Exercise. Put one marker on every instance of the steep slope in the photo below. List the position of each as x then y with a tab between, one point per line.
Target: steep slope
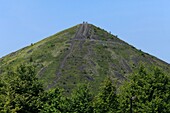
81	54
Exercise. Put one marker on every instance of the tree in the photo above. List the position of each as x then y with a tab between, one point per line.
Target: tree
106	101
21	91
150	90
53	101
81	100
2	92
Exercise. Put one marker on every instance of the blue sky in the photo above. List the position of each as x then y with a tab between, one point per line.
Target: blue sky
144	24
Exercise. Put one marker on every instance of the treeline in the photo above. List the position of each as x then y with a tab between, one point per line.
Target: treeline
146	91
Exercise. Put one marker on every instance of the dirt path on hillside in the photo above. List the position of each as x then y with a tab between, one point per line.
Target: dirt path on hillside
81	35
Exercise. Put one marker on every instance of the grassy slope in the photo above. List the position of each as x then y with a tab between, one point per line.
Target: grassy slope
89	60
42	53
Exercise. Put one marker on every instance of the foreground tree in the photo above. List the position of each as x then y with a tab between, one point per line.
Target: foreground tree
2	94
81	100
147	91
106	101
53	101
20	91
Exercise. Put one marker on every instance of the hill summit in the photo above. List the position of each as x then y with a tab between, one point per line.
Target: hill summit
81	54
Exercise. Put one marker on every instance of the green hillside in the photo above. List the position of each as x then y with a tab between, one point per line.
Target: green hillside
81	54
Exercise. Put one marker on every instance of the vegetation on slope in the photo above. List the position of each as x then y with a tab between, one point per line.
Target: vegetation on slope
148	91
81	54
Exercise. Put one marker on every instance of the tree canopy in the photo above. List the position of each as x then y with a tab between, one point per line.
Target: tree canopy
149	91
146	90
20	91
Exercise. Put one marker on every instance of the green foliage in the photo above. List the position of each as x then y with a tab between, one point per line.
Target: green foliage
20	91
150	90
81	100
145	91
53	102
106	101
87	60
64	61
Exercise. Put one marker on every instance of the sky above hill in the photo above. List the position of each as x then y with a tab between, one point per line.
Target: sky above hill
144	24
